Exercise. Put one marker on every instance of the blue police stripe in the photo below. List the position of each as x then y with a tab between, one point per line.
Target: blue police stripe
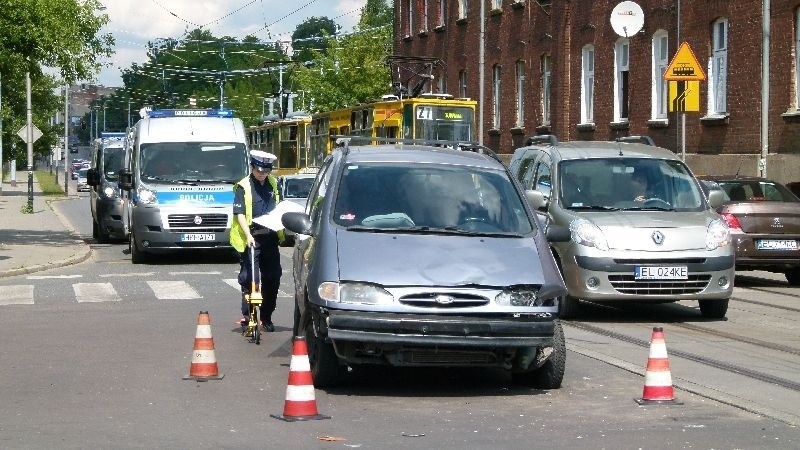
196	197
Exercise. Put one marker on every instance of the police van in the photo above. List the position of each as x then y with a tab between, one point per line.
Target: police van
177	184
105	201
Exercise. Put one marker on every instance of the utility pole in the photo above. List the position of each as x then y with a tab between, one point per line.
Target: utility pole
66	141
29	133
104	116
1	133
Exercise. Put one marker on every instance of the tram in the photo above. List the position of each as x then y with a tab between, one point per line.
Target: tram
302	142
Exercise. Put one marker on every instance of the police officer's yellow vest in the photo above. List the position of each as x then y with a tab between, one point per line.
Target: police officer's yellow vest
237	237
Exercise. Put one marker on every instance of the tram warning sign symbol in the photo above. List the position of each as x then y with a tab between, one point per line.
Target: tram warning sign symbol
684	66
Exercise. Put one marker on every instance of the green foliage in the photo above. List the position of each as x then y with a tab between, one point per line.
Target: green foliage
47	183
308	36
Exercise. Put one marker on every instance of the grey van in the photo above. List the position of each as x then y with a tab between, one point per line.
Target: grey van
418	255
105	202
641	227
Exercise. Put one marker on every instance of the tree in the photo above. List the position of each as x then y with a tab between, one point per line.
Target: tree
309	36
63	35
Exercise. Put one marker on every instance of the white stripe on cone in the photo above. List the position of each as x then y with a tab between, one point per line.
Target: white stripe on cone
657	378
203	331
299	393
299	363
658	349
203	357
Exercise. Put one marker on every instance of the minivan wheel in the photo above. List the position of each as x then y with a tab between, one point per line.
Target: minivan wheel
793	276
95	228
714	309
325	368
137	256
568	307
102	237
551	373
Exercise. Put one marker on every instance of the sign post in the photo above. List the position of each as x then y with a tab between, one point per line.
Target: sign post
684	75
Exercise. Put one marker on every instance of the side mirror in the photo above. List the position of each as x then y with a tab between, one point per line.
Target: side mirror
716	198
536	199
125	179
93	177
298	222
558	233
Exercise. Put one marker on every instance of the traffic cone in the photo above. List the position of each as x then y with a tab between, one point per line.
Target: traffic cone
300	402
657	378
204	362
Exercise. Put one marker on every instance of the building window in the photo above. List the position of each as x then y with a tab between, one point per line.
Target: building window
462	9
462	84
621	95
547	66
718	69
442	12
423	15
587	84
496	97
497	4
660	63
441	85
410	17
520	66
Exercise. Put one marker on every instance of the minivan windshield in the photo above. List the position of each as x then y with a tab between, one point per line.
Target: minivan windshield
603	184
193	161
113	159
429	198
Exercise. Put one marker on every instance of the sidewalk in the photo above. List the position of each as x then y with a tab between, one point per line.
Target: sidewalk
39	241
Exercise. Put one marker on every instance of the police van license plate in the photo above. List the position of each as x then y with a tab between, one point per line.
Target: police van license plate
197	237
660	272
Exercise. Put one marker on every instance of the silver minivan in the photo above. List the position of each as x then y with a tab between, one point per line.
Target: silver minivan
641	226
418	255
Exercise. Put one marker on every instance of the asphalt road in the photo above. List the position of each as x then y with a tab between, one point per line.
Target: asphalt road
77	373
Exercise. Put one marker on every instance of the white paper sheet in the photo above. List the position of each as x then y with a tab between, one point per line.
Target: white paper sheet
272	220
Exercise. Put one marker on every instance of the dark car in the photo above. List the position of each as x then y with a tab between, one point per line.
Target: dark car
764	218
416	255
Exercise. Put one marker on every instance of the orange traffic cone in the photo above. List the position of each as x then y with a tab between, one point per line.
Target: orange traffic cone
204	362
657	378
300	402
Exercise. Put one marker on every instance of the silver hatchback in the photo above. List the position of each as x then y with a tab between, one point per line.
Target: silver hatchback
412	255
641	227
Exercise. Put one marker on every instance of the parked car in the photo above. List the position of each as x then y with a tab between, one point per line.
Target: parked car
295	188
764	217
642	230
415	255
75	166
83	184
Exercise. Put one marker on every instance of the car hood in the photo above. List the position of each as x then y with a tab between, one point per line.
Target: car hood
413	259
637	231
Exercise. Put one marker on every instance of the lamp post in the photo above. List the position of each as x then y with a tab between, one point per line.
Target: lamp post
66	141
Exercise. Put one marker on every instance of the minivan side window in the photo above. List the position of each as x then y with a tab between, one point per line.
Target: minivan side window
317	196
543	179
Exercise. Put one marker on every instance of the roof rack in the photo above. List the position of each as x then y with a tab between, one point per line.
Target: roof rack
346	141
542	139
641	139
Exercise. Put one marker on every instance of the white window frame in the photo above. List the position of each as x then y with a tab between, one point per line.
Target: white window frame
587	84
462	9
423	19
497	4
520	77
547	87
660	57
441	85
462	84
496	73
442	12
718	69
410	18
621	70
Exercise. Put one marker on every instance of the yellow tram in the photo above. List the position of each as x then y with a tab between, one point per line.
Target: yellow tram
302	142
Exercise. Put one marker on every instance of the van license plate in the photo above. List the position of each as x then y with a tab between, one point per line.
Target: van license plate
194	237
776	244
660	272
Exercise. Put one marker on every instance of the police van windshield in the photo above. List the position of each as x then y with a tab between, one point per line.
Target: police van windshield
430	198
113	159
193	161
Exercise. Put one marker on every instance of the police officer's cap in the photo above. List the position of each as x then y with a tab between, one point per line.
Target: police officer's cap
262	160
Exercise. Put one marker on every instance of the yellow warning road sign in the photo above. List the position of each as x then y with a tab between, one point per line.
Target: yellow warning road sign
684	96
684	66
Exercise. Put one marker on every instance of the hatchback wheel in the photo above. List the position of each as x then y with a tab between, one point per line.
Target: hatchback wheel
793	276
714	309
551	373
325	368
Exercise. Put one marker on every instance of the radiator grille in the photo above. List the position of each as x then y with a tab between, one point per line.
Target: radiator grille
626	284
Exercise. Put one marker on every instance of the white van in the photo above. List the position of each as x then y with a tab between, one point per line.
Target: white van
178	183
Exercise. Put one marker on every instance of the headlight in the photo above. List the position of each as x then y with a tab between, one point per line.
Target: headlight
586	233
146	196
109	192
718	234
367	294
525	296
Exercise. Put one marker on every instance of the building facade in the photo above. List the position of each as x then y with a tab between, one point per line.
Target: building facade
558	67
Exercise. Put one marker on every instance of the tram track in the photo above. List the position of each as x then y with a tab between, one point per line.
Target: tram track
732	368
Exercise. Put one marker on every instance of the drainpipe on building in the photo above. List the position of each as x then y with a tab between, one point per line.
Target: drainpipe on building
762	163
481	71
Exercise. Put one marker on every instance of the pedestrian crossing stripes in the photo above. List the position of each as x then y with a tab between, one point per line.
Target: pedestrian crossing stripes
24	294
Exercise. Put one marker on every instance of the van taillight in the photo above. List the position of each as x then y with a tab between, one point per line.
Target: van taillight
731	220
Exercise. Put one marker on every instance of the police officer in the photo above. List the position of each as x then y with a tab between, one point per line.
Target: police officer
256	195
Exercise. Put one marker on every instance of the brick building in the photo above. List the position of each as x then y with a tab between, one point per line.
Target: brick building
555	66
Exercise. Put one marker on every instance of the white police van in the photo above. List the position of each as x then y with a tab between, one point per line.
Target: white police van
177	184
